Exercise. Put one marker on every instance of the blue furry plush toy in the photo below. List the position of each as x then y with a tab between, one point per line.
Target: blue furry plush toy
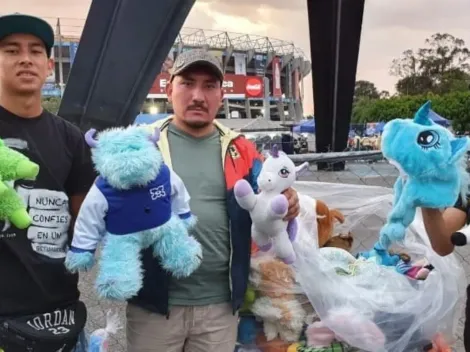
432	166
136	202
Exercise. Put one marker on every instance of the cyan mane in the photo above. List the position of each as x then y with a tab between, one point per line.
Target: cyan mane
126	157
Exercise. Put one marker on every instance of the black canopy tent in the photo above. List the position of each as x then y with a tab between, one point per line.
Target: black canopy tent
122	49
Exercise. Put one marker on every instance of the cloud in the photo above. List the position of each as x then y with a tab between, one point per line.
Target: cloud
421	15
389	28
275	4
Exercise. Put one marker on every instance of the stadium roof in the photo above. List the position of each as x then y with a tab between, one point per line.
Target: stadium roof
228	42
71	29
237	41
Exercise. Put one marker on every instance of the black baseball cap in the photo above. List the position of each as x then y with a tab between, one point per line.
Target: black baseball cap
196	57
18	23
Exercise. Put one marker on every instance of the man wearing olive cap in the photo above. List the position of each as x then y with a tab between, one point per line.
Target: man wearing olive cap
200	313
39	300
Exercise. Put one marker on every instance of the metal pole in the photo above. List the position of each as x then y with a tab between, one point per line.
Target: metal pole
335	96
61	68
266	102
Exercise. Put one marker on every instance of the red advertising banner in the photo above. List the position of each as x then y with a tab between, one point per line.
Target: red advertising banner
158	86
296	85
277	91
235	86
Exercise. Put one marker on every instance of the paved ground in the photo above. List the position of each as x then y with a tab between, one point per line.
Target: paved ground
377	174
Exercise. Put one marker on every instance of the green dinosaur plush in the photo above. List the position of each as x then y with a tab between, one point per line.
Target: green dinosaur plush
14	166
12	208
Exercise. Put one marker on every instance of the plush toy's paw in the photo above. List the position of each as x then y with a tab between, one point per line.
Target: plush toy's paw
279	205
391	233
292	228
79	261
265	247
120	273
20	218
27	170
118	286
184	259
289	259
242	189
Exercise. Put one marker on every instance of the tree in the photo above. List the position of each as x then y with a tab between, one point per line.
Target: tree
384	94
441	67
445	52
415	85
454	106
365	89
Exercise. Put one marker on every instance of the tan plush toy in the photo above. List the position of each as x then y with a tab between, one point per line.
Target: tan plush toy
282	314
326	221
341	241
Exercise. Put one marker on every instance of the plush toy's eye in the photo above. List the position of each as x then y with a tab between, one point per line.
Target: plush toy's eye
428	139
284	172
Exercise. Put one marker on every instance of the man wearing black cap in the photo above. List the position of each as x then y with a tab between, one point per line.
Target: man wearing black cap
39	300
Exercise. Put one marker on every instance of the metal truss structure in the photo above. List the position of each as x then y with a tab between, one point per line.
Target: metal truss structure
230	42
193	37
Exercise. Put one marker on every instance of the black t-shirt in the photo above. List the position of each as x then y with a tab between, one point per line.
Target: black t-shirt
33	278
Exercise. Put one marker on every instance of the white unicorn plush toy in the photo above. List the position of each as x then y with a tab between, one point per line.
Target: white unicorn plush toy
269	207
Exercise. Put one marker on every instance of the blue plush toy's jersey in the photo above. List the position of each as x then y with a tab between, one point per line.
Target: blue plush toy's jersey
432	169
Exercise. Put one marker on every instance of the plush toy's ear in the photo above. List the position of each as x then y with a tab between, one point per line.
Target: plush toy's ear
89	138
301	169
422	115
459	148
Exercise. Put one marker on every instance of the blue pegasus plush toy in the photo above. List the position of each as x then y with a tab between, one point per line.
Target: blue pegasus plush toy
136	202
432	166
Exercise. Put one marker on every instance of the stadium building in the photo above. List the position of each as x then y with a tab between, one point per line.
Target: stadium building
263	76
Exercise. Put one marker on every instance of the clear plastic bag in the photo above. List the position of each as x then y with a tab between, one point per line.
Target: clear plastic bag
99	339
329	301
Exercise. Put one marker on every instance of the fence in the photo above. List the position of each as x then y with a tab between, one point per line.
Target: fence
367	168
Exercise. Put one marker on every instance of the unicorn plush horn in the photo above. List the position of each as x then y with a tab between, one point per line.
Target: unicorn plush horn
275	151
422	115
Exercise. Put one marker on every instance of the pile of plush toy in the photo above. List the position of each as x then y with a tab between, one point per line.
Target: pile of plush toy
277	316
308	292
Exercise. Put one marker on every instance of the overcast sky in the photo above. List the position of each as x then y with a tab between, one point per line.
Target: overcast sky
389	28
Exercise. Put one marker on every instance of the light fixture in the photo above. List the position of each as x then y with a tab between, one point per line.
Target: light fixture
153	110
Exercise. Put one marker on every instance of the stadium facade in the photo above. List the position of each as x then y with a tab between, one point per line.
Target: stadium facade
262	75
